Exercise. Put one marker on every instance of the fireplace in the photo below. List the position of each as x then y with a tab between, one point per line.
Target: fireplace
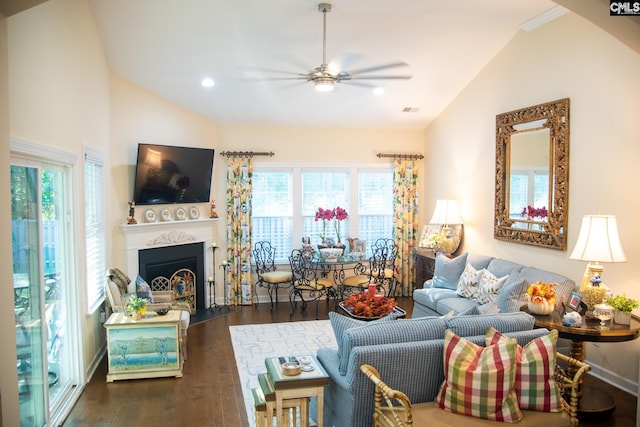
179	268
167	248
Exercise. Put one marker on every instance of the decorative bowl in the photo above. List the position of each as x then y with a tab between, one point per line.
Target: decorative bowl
331	253
162	311
291	369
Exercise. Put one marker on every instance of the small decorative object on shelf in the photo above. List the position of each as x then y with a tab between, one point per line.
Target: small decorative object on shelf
572	319
603	312
542	298
212	209
623	307
595	292
137	307
368	304
131	219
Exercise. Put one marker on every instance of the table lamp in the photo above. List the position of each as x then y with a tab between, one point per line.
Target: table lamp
447	213
598	241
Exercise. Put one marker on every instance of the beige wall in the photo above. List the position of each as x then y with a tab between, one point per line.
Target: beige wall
138	115
565	58
58	98
8	373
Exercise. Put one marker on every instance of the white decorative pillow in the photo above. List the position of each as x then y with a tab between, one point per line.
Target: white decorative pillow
468	283
490	286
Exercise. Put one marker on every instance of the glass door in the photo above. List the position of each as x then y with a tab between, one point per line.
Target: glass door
41	254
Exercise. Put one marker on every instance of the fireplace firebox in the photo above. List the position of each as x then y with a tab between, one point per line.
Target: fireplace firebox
179	268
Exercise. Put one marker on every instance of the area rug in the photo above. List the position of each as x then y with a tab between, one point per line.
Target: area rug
253	343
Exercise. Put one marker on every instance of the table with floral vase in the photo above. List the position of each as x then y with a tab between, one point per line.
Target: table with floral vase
592	400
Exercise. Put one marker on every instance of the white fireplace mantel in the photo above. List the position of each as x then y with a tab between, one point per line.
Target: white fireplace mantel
167	233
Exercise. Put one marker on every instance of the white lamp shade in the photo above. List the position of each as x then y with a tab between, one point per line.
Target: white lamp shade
447	212
598	240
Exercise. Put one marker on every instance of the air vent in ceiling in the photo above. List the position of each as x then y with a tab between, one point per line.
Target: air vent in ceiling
410	109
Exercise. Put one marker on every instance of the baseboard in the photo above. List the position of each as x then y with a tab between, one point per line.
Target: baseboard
614	379
95	362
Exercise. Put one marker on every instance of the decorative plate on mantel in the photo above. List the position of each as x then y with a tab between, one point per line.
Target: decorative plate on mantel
181	214
165	215
194	212
150	215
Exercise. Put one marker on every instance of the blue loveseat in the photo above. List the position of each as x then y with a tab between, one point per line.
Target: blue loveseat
409	356
440	295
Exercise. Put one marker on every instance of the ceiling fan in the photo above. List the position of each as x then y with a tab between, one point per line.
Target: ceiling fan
324	79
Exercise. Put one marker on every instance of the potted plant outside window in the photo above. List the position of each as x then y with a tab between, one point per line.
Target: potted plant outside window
623	307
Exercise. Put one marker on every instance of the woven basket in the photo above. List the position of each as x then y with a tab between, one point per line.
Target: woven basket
621	317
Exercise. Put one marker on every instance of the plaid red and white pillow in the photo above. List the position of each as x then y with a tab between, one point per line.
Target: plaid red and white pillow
479	381
535	386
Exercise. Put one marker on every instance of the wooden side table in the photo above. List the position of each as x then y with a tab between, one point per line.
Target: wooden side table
592	400
306	385
146	348
425	265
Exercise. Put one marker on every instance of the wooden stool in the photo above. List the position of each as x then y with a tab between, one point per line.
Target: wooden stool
289	416
265	396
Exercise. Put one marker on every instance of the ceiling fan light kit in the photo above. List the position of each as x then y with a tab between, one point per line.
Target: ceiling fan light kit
324	80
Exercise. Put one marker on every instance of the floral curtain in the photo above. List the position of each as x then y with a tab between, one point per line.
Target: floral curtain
405	213
238	272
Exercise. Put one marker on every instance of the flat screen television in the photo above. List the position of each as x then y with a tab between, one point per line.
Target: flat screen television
169	174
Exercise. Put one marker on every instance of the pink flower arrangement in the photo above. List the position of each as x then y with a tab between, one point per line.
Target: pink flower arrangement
531	212
326	215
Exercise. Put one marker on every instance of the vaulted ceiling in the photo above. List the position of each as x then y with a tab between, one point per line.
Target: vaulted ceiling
167	47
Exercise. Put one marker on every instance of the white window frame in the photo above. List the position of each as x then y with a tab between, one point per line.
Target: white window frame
297	170
95	235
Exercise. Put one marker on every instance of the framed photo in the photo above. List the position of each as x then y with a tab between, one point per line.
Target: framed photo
574	301
361	246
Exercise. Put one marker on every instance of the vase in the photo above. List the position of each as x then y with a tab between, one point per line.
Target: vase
621	318
541	308
137	316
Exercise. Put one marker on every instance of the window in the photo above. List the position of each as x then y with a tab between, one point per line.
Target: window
528	188
94	228
285	200
272	210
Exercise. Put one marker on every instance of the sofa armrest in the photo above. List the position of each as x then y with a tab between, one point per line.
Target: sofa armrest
569	381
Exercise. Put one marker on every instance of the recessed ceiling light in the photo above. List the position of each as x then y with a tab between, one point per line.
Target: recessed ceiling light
378	91
207	82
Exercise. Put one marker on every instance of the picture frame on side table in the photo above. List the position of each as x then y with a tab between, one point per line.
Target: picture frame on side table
574	301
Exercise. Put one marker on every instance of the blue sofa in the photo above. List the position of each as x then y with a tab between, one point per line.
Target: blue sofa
408	355
439	295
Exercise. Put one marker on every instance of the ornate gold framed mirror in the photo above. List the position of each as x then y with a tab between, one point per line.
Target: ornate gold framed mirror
532	175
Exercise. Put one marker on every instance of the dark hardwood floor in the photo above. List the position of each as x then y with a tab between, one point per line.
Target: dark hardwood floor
209	393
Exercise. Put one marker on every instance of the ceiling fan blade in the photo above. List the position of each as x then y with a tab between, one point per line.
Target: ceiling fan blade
378	67
379	78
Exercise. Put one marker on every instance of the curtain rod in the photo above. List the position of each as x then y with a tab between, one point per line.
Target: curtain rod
246	153
402	156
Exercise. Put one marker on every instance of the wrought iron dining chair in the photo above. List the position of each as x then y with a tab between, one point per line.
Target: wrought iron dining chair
382	269
268	275
307	283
